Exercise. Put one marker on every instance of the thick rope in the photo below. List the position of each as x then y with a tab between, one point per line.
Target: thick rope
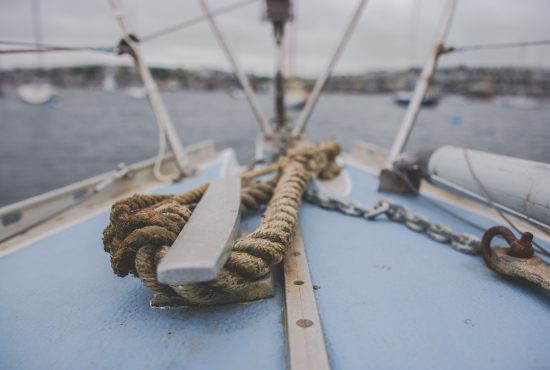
143	227
157	220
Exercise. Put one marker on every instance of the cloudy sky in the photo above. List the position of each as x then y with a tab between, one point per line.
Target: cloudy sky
391	34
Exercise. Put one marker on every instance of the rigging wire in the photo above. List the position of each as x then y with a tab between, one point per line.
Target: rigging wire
237	70
291	45
37	44
57	48
502	45
322	79
195	20
414	31
37	29
39	47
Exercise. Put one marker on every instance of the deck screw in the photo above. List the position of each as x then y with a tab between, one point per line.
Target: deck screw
304	323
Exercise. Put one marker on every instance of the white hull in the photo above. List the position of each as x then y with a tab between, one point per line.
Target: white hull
296	99
136	92
36	93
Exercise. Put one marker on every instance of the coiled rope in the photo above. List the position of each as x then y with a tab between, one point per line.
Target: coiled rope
143	227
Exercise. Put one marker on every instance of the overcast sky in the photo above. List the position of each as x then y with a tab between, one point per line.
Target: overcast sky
391	33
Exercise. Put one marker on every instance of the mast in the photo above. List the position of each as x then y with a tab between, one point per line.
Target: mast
278	12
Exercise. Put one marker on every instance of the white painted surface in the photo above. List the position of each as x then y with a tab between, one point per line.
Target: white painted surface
339	186
202	247
515	183
36	93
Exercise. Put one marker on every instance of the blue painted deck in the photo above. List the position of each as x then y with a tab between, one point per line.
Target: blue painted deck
389	298
61	307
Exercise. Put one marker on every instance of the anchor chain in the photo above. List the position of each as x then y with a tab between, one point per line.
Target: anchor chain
517	261
465	243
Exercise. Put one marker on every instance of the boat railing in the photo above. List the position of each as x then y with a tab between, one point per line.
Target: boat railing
300	125
21	216
241	76
421	87
165	124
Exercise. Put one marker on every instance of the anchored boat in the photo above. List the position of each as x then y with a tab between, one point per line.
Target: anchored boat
39	92
308	258
36	93
295	96
403	98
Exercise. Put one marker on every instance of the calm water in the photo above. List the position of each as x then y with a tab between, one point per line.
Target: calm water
89	132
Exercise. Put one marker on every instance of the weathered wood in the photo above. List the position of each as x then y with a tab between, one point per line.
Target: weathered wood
260	289
204	244
306	343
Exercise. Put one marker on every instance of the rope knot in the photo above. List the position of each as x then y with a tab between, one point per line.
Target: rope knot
143	227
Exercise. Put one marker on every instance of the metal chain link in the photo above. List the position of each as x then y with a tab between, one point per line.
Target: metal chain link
465	243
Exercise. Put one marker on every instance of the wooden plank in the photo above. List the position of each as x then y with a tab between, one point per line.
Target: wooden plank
306	343
204	244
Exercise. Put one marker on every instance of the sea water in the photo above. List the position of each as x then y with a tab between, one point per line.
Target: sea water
88	132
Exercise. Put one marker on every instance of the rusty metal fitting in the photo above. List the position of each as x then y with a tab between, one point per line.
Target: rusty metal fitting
516	261
519	248
441	49
523	247
124	47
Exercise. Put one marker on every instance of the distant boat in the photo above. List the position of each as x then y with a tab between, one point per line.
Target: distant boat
237	93
39	92
109	83
296	99
523	102
36	93
403	98
296	95
135	92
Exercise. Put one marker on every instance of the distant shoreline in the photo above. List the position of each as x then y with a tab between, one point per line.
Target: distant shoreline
469	81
